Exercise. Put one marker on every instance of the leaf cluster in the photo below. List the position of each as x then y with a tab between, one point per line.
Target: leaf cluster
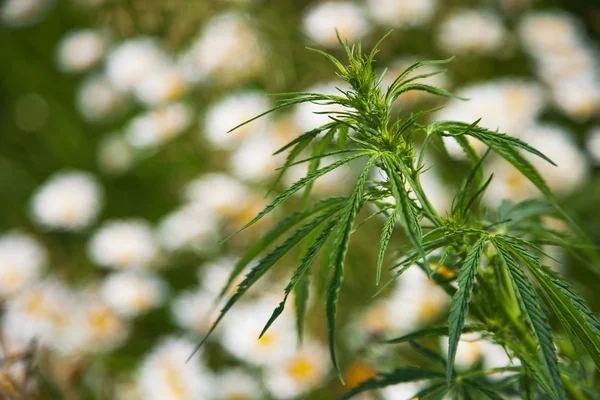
494	256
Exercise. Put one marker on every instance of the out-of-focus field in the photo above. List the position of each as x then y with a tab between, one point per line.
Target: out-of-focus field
118	182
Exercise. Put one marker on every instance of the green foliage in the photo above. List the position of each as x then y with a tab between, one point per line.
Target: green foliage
489	285
460	301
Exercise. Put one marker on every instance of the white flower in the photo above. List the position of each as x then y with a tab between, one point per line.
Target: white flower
128	391
155	127
593	144
549	31
21	261
321	21
472	31
98	99
220	193
160	86
509	105
299	373
196	310
81	50
44	311
574	64
68	200
242	328
231	111
18	13
166	373
405	13
115	155
133	61
556	144
235	384
253	160
580	99
228	50
191	226
123	244
133	292
402	391
100	327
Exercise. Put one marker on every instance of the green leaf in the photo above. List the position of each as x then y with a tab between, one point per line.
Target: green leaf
403	124
275	234
416	188
434	332
526	387
485	392
299	185
305	263
386	234
398	375
441	261
437	391
405	208
461	203
428	353
301	293
459	307
318	150
407	71
533	310
423	88
334	61
341	237
300	143
307	137
579	321
265	264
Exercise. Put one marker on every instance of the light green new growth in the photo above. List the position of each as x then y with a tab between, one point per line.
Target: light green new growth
493	254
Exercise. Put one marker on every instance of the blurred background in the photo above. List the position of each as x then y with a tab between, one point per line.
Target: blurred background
118	181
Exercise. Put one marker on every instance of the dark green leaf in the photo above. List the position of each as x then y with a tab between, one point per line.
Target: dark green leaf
405	207
459	307
399	375
533	310
386	234
341	239
266	263
305	263
299	185
275	234
434	332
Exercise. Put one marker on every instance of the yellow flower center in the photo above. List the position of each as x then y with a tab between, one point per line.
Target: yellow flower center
357	373
429	309
14	279
302	369
443	271
376	319
174	383
103	321
266	340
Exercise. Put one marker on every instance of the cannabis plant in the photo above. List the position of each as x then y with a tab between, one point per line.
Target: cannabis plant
499	284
